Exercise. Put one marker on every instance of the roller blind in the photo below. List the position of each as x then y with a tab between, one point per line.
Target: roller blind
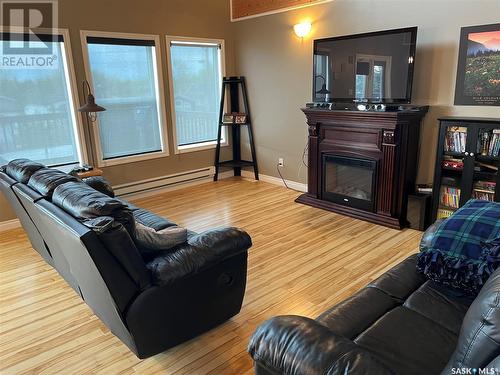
125	83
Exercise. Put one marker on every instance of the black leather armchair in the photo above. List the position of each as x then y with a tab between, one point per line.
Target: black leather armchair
150	301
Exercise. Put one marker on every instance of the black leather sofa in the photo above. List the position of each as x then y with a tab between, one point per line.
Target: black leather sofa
399	324
151	301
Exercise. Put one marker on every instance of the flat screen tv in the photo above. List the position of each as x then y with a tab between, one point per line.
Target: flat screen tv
374	67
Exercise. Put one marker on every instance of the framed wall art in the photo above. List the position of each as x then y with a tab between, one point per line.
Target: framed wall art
478	75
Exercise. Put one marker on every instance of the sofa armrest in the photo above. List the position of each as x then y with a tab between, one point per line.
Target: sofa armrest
201	251
296	345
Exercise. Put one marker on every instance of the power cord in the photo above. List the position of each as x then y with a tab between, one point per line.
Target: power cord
304	154
284	181
303	161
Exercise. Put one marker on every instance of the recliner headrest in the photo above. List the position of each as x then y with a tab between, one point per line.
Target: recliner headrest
100	184
46	180
83	202
22	169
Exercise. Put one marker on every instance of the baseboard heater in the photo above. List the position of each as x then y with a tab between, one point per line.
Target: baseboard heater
165	182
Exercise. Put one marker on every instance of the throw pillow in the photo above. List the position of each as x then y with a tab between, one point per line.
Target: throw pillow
461	254
147	239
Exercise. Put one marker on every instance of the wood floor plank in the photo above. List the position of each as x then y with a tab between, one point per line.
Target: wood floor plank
303	261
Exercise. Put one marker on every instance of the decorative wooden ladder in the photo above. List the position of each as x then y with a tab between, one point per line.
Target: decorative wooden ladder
234	84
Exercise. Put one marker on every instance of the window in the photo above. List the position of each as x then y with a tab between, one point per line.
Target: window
321	76
373	77
37	108
196	68
125	76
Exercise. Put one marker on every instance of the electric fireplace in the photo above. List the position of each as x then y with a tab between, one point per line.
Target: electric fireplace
349	181
363	164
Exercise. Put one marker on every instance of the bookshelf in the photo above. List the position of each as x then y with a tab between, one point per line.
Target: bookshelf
467	163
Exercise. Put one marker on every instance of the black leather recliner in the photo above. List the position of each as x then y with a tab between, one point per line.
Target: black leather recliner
401	323
151	302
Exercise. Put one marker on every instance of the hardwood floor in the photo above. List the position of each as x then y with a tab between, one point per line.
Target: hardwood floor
303	261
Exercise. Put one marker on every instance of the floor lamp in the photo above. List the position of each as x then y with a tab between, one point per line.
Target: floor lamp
90	108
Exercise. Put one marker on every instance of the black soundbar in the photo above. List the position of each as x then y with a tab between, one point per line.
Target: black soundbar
365	107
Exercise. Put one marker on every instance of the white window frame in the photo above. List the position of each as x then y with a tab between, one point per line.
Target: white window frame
160	96
71	85
208	41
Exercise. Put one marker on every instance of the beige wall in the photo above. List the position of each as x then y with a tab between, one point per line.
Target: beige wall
278	67
198	18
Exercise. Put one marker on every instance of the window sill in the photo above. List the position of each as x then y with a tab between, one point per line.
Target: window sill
199	147
132	159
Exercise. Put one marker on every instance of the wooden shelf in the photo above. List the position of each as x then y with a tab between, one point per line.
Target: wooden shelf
443	207
485	158
454	153
234	124
449	169
484	191
236	163
489	176
236	107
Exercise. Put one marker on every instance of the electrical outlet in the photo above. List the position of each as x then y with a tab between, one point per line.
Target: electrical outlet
281	162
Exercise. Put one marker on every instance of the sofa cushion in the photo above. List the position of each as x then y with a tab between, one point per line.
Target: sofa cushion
22	169
440	304
409	343
400	281
351	317
84	202
479	340
457	255
46	180
100	184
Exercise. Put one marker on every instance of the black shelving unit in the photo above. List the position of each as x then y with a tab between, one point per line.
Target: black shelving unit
467	163
235	85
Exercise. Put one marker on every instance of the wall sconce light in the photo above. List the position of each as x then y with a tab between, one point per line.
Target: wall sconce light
302	29
90	107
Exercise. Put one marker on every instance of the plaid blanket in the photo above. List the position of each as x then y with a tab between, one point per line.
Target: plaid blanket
465	248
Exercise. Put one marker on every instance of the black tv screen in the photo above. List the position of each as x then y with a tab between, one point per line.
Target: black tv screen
373	67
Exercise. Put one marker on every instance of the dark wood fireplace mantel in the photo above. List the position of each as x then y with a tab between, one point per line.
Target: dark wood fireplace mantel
390	140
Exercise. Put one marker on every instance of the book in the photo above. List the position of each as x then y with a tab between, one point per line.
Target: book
484	190
456	164
489	143
424	188
449	197
455	139
444	213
